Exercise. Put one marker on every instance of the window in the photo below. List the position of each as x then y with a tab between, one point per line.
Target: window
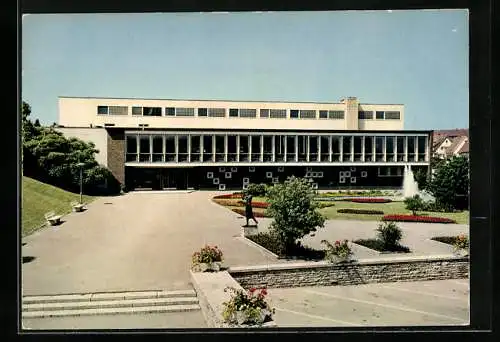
323	114
336	114
380	115
244	148
336	148
346	148
131	148
233	113
389	148
118	110
302	144
207	148
182	148
264	113
184	111
255	144
102	110
392	115
220	151
290	148
144	151
313	148
294	114
217	112
151	111
279	147
358	142
157	148
411	148
307	114
421	148
268	147
195	148
170	148
325	148
400	147
369	149
170	111
202	112
379	148
136	110
277	113
248	113
364	115
231	148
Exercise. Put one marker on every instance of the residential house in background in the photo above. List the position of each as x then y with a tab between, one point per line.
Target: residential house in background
448	143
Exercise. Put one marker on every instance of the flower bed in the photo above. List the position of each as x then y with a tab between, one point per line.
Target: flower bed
416	218
209	258
236	195
379	246
228	202
368	200
360	211
247	307
242	212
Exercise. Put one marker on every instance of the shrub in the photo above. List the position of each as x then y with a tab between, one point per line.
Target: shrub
360	211
294	210
461	242
255	213
257	190
272	242
413	218
369	200
389	234
207	254
414	203
269	241
322	205
337	250
251	303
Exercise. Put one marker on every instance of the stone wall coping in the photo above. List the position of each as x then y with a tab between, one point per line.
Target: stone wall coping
326	264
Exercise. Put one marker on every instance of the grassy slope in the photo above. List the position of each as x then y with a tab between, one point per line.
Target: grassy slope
39	198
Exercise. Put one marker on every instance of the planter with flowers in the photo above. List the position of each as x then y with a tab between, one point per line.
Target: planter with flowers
209	258
338	252
461	245
247	308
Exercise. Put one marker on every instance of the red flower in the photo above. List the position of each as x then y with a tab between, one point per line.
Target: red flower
252	290
263	291
415	218
337	242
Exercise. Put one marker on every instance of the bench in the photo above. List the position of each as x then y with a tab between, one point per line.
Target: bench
77	207
52	218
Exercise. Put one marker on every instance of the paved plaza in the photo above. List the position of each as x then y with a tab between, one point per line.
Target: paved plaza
144	241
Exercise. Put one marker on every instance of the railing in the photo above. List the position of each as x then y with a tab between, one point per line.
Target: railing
401	157
358	156
389	157
411	157
158	157
336	157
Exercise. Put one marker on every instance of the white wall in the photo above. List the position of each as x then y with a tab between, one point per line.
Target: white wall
98	136
82	112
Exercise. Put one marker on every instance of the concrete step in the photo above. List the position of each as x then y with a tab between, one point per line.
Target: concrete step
112	311
86	297
104	304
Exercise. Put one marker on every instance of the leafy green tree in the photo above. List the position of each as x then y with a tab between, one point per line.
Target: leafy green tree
420	176
450	183
414	204
294	210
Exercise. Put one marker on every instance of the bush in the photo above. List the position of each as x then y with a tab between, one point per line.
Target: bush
413	218
207	254
340	249
257	190
272	242
414	203
294	210
389	234
369	200
360	211
322	205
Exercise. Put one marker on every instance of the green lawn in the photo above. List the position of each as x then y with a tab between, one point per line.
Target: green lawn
388	208
39	198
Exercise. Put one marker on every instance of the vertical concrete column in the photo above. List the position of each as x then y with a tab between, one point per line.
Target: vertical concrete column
250	148
163	147
150	148
396	148
138	140
374	148
213	148
176	140
116	153
237	147
226	141
351	113
202	146
352	148
427	149
285	147
189	147
296	148
261	143
405	142
273	146
308	146
341	148
330	143
415	139
384	147
363	148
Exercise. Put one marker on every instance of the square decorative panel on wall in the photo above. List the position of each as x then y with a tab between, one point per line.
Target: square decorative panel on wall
276	180
245	187
308	174
269	174
353	168
210	175
281	169
251	169
353	179
314	185
222	169
364	174
216	180
341	173
347	174
246	180
320	174
342	179
309	169
234	169
222	186
228	174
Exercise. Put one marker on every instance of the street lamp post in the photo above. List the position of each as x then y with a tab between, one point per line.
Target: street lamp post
80	165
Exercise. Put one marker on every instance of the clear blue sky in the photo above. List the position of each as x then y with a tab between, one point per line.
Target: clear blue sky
416	58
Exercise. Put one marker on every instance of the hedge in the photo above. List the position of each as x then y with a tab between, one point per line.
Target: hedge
360	211
416	218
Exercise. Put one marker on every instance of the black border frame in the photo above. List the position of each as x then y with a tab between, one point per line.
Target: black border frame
480	132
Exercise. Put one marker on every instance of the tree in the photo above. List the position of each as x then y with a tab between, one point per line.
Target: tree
294	211
389	234
450	184
37	123
414	203
420	176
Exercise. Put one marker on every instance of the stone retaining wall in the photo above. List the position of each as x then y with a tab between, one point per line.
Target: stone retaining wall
355	273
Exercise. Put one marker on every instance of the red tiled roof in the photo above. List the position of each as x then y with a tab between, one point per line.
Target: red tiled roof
455	142
465	148
451	132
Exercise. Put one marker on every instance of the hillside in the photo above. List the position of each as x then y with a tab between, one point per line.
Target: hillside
39	198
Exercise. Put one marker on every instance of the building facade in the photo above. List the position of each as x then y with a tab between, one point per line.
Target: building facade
162	144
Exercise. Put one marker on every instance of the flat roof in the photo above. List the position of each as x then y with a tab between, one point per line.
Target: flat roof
212	100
